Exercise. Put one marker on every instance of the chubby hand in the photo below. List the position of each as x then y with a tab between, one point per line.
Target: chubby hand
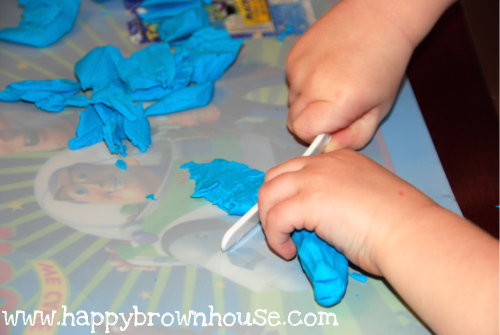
344	73
349	200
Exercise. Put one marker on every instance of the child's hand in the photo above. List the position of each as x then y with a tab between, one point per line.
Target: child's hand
344	72
444	267
349	200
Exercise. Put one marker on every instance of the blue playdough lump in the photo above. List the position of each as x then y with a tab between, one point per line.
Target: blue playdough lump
359	277
183	24
121	164
151	197
159	10
114	112
230	185
43	23
325	267
234	187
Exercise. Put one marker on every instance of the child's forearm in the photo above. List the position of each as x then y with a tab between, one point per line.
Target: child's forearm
447	270
414	18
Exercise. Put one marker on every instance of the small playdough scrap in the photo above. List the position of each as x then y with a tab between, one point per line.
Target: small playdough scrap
43	23
234	187
121	164
49	95
36	90
359	277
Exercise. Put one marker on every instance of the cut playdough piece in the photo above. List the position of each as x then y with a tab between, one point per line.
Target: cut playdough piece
43	23
234	187
183	25
159	10
97	68
187	98
121	164
114	97
50	95
38	90
147	68
138	131
211	51
88	131
230	185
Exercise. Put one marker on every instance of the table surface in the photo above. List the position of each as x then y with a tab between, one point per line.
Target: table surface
87	250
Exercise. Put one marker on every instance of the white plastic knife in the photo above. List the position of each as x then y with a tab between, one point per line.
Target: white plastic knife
251	218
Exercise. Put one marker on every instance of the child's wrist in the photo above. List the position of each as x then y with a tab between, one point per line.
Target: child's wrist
405	233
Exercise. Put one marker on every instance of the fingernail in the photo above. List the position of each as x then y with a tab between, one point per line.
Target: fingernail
331	146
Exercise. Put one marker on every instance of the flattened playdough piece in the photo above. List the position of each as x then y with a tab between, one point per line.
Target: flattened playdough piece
149	67
98	67
230	185
159	10
183	25
50	95
138	131
186	98
211	51
44	22
234	187
37	90
121	164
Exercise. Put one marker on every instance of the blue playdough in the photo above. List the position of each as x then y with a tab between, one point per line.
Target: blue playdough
88	131
43	23
159	10
187	98
179	81
183	24
230	185
114	97
359	277
234	187
121	164
325	267
211	51
97	68
147	68
151	196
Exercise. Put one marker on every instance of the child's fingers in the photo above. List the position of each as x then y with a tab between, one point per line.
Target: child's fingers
281	220
275	191
294	164
357	134
321	117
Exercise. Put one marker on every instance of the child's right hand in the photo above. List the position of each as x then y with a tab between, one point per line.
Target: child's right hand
349	200
444	267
